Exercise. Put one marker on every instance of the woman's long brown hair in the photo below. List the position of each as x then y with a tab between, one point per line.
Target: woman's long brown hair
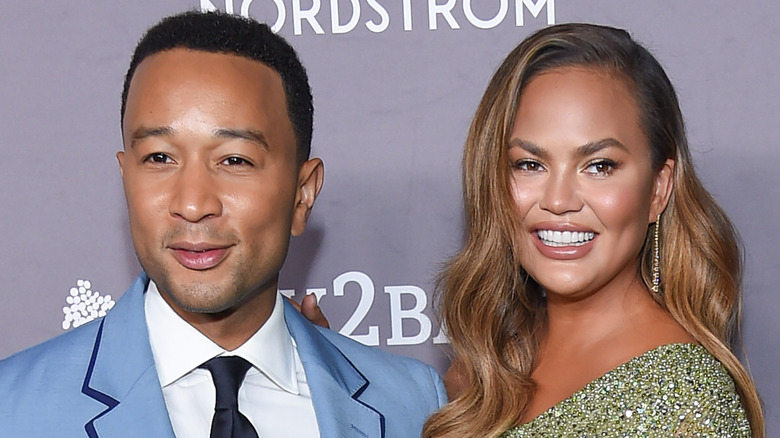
494	312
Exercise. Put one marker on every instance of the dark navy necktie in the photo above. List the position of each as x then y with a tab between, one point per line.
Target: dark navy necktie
228	373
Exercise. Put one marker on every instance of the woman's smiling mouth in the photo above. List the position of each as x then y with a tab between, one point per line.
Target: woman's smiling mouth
556	238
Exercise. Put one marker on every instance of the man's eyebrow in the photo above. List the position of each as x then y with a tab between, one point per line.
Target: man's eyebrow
251	135
144	132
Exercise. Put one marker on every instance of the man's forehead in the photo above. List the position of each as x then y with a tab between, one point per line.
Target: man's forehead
183	59
186	76
186	90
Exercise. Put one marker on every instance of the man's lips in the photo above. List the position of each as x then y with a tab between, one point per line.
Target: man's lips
199	257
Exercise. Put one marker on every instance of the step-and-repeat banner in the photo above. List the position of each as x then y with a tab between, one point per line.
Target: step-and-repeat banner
395	84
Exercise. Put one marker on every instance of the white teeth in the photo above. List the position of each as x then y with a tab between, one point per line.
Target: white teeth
565	238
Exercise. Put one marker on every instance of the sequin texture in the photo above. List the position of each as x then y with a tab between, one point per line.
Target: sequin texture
677	390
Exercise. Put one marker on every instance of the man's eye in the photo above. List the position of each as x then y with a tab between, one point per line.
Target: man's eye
235	161
159	158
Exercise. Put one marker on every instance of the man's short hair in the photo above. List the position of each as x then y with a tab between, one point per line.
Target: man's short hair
217	32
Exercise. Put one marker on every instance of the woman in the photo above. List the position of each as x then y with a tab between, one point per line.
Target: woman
599	285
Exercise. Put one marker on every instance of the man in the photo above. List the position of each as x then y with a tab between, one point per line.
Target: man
216	123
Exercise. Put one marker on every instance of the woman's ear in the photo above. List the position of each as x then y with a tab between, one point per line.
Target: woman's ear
662	189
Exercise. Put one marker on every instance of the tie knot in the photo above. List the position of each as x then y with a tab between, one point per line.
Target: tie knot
228	373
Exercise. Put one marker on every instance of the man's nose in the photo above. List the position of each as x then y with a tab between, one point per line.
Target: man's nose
195	193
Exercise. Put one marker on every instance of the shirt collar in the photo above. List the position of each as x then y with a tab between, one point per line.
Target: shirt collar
178	348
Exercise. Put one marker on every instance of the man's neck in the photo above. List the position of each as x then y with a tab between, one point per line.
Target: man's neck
231	328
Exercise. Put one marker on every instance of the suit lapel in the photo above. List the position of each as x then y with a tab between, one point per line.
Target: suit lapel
122	376
334	382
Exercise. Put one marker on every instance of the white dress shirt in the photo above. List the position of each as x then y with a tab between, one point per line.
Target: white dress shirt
274	395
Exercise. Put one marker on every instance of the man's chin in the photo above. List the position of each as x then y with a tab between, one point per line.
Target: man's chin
205	299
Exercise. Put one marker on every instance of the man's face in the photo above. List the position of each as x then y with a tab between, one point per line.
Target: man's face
210	174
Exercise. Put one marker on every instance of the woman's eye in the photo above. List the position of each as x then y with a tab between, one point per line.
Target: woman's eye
602	167
158	158
527	165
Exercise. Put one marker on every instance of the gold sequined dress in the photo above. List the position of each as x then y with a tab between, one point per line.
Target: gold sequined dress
676	390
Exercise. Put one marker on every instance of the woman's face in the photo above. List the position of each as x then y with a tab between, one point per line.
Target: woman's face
582	182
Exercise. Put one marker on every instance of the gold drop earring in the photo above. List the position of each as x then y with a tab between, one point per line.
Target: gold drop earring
656	257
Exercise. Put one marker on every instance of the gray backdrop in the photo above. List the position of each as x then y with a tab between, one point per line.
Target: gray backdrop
395	85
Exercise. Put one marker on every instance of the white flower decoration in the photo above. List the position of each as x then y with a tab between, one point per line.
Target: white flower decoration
84	305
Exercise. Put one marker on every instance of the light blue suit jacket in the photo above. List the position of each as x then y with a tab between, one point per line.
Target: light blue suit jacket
99	380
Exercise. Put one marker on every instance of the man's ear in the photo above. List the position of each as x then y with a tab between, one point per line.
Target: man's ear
120	157
662	189
310	178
